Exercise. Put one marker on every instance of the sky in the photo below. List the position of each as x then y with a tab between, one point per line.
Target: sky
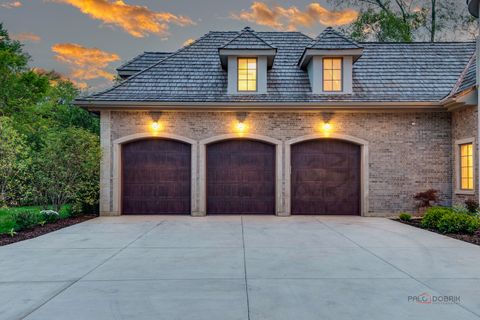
85	40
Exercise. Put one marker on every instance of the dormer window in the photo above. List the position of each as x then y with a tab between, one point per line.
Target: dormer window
332	74
329	62
247	58
247	74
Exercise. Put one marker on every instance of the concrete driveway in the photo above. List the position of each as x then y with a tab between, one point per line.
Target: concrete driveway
233	267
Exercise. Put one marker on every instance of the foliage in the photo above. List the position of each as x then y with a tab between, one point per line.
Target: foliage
427	198
401	20
41	130
458	223
25	220
7	221
49	216
433	215
405	216
67	168
471	205
13	160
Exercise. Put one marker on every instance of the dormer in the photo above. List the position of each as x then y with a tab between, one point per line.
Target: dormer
329	62
247	57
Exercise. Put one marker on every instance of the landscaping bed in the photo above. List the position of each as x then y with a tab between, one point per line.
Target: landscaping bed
471	238
41	230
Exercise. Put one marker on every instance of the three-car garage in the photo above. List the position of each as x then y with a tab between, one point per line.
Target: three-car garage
241	177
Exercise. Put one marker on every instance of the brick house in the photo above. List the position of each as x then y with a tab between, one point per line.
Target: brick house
279	123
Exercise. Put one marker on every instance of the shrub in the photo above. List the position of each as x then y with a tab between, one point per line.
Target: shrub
25	220
458	223
433	215
472	205
405	216
426	198
49	216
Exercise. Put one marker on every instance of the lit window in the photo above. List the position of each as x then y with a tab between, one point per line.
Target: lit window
466	166
332	74
247	74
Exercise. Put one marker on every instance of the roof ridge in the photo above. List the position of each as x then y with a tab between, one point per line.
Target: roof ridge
153	65
462	76
331	31
247	30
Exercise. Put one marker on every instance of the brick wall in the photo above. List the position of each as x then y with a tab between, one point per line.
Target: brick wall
408	152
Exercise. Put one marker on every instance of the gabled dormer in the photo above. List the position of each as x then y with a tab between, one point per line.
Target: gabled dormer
246	59
329	62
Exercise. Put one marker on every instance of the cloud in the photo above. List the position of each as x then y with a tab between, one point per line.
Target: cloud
283	18
188	42
138	21
26	36
85	63
10	4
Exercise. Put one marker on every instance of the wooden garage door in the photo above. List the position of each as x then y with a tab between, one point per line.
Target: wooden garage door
241	177
326	177
156	177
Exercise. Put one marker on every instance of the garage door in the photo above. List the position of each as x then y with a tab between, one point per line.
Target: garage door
156	177
326	177
240	177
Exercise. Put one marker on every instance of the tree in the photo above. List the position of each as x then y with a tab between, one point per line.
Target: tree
13	159
402	20
67	167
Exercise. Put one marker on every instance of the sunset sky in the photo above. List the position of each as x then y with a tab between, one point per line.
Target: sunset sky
87	39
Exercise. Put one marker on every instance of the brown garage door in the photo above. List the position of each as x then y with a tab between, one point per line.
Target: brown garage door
241	177
156	177
326	177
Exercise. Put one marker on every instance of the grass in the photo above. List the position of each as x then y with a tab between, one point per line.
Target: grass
6	223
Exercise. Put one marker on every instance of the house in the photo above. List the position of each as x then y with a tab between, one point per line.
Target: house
279	123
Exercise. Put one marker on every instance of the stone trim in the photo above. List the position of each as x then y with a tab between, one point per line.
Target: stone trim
456	170
202	188
117	166
363	167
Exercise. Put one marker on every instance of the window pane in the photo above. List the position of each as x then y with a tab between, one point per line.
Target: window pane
464	162
242	64
252	86
252	74
465	184
327	86
252	64
337	64
337	86
327	74
337	75
242	85
327	63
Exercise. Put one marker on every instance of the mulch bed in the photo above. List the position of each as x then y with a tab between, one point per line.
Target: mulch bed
472	238
41	230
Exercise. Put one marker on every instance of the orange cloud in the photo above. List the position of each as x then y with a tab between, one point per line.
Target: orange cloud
26	36
11	4
188	42
139	21
282	18
85	63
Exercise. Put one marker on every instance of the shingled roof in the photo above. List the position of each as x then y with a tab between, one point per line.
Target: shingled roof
468	78
330	39
140	62
386	72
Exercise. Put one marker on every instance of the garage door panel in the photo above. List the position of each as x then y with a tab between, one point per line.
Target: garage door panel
241	177
325	177
156	177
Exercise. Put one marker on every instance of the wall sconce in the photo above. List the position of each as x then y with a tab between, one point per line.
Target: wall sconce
241	127
326	127
156	125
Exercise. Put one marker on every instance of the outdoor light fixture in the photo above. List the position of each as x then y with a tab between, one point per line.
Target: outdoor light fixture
156	126
241	127
326	126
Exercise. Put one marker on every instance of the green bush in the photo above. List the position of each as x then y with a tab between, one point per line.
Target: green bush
405	216
25	220
433	215
458	223
49	216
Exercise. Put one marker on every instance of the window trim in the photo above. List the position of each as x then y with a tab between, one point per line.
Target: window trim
256	75
342	84
457	162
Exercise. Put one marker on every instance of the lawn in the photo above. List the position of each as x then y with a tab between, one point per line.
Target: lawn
6	223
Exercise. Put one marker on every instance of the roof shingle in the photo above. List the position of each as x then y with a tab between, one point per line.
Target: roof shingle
386	72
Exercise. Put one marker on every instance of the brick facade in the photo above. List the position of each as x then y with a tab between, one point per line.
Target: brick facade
408	152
